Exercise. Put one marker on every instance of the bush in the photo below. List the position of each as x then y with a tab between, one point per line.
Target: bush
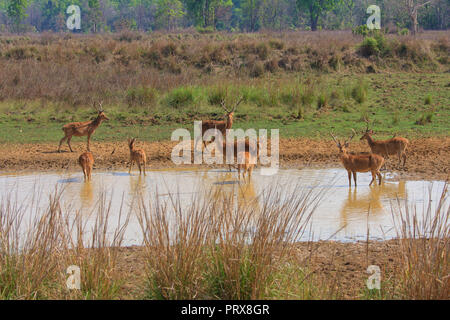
369	47
202	30
180	97
403	32
359	92
216	96
141	96
361	30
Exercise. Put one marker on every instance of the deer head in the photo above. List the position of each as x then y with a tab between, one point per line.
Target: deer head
367	133
343	147
101	114
131	143
230	113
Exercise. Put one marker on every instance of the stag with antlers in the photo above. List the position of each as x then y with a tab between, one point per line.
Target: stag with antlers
221	125
394	146
80	129
359	163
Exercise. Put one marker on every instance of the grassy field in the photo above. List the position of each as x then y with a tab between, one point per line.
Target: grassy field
304	84
414	105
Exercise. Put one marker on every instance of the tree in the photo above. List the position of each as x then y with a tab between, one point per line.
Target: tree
251	14
413	7
94	14
169	11
317	8
204	11
16	12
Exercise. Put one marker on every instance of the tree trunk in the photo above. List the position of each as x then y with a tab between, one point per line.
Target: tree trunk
314	20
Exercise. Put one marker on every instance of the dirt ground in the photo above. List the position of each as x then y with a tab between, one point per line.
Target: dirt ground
427	158
341	267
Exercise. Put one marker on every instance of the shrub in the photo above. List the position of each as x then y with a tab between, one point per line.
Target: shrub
141	96
359	92
216	96
180	97
403	32
322	101
203	30
428	99
361	30
369	47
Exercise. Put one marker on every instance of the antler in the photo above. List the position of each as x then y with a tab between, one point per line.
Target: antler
237	103
351	137
222	103
335	140
99	108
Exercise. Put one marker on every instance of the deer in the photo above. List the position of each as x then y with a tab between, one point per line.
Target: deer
86	161
246	163
249	146
359	163
80	129
221	125
395	145
137	155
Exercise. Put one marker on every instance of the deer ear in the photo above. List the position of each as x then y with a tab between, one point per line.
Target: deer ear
346	145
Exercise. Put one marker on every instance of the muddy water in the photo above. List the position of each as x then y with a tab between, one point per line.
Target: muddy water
344	214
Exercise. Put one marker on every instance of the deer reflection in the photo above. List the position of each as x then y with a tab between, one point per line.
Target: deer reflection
87	194
359	202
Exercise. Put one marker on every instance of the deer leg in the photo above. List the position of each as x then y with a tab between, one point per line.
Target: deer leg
144	168
131	164
374	177
250	173
61	142
354	177
349	178
379	177
68	142
404	158
140	168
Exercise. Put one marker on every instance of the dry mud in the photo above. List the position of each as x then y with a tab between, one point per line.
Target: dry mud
427	158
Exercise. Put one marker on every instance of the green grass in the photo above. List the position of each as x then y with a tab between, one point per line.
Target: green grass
392	102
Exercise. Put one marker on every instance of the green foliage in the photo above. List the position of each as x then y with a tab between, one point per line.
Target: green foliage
16	11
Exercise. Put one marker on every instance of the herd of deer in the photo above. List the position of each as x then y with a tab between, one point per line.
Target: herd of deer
353	163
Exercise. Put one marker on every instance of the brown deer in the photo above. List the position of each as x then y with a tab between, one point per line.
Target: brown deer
137	155
221	125
359	163
80	129
248	147
246	163
86	161
395	145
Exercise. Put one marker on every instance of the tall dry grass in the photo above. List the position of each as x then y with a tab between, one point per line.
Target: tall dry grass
424	237
222	248
36	252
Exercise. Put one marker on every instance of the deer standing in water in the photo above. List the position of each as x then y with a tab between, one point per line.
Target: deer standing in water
249	146
360	162
246	163
80	129
86	161
136	155
395	145
221	125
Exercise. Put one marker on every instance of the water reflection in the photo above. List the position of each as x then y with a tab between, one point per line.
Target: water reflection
342	207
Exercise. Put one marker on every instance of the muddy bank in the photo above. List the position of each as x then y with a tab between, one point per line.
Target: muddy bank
337	264
428	158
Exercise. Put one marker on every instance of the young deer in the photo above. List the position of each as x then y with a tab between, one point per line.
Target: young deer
395	145
86	161
249	146
359	163
136	155
80	129
248	164
221	125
